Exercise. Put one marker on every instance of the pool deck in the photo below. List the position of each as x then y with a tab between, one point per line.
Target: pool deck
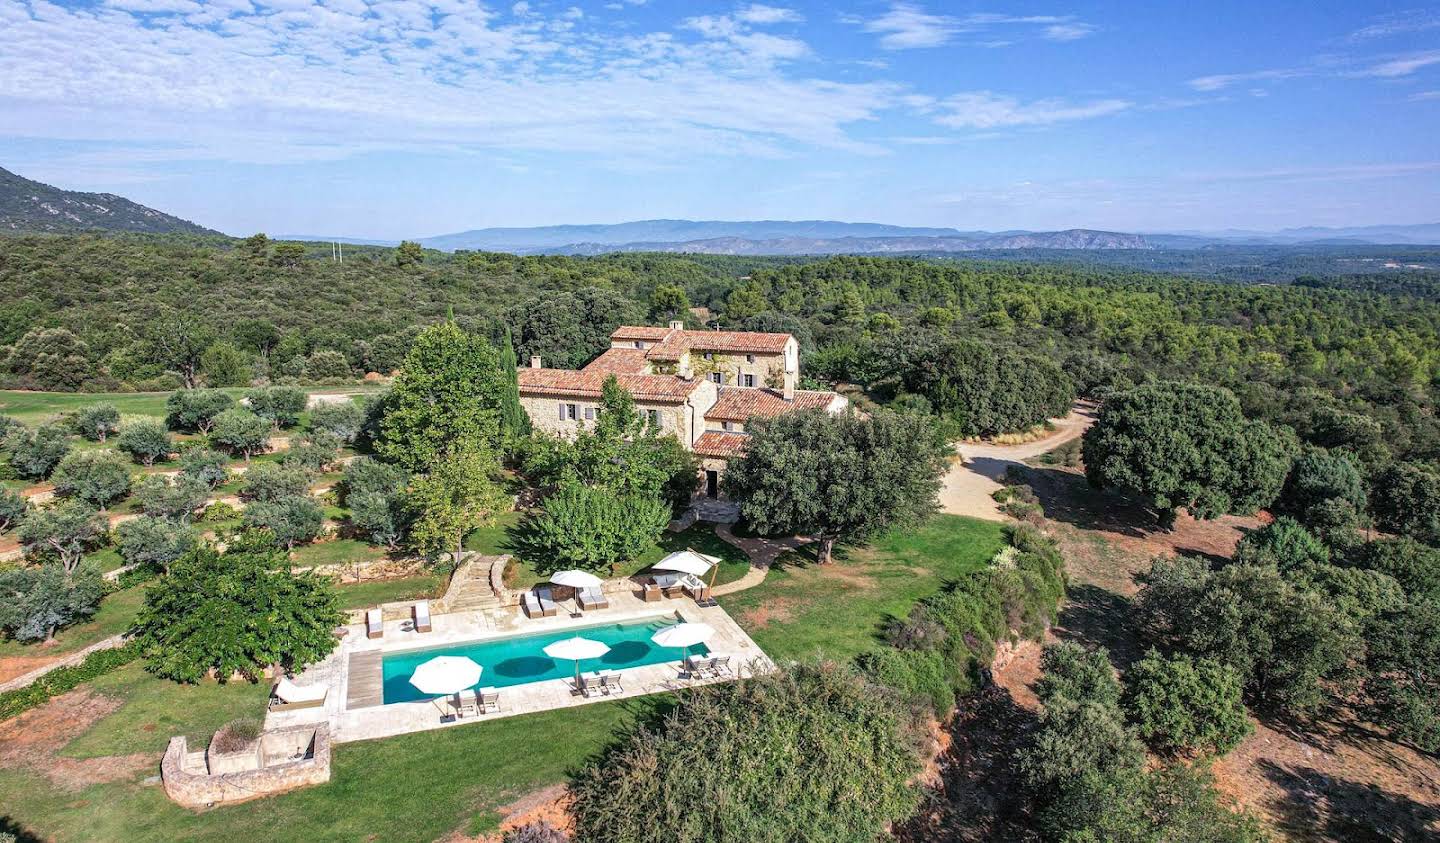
354	709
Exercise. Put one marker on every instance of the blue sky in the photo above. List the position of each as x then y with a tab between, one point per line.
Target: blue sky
392	119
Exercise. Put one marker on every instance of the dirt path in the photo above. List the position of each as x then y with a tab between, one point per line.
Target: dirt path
762	552
976	475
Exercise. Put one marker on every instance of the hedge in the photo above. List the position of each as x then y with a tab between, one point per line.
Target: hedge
60	680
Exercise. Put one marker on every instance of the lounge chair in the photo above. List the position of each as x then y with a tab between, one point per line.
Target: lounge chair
589	682
374	625
720	666
287	695
532	606
592	598
696	587
610	682
695	665
421	613
466	702
548	608
489	700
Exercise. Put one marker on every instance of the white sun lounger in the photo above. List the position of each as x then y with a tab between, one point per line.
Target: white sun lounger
489	700
287	695
374	626
421	613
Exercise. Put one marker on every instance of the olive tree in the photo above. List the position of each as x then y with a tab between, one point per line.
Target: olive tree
175	498
280	405
98	477
96	421
13	507
148	540
146	441
242	432
289	520
341	419
205	465
64	532
35	453
194	410
38	600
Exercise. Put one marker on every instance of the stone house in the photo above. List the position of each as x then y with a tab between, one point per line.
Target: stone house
703	387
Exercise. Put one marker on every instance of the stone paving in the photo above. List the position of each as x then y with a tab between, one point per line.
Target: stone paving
460	627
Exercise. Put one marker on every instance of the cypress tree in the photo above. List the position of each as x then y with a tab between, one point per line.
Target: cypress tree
514	423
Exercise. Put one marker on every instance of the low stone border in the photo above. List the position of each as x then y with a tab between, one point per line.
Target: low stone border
189	780
71	660
497	579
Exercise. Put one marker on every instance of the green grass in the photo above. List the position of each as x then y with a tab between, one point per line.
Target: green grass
336	552
156	709
367	594
417	787
38	407
116	613
838	610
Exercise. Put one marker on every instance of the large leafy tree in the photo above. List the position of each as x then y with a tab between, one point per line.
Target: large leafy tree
63	533
98	477
236	612
37	600
146	440
838	476
1180	704
1325	491
568	328
51	358
592	528
96	421
1407	501
241	431
35	453
987	389
1404	672
447	396
178	341
457	495
809	753
1184	445
194	410
621	452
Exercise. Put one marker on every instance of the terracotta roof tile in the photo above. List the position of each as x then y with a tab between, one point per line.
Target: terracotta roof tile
741	403
721	445
664	389
630	361
671	342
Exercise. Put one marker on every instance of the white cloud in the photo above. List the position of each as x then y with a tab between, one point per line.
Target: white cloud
1425	96
1402	66
988	110
1399	23
325	82
757	13
1225	80
907	26
163	6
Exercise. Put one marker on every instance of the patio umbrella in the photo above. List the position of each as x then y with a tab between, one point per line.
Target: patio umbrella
684	635
575	649
688	561
446	675
576	580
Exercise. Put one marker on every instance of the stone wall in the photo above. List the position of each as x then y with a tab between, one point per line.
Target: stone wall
285	759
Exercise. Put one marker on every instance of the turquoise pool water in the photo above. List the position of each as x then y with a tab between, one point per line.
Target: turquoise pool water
520	659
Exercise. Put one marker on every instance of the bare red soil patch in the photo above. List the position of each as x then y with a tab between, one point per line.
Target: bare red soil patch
31	742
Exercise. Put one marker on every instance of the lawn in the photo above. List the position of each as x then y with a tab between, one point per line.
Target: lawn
38	407
335	552
839	609
417	787
365	595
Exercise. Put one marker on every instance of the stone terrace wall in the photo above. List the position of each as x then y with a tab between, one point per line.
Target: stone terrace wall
188	781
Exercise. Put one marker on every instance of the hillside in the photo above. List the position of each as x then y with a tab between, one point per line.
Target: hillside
29	207
567	238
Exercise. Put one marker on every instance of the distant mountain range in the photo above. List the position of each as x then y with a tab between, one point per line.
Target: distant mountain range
28	207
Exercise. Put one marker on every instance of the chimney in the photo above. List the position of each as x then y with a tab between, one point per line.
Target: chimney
677	325
789	389
535	361
683	367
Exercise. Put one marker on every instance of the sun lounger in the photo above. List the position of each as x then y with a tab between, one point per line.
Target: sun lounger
695	665
592	598
589	682
720	666
374	627
287	695
489	700
466	702
548	608
696	588
610	682
421	613
531	603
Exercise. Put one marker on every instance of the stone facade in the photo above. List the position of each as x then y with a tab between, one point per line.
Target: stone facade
567	415
281	760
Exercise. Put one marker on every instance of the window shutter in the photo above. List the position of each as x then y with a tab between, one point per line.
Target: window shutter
589	413
562	411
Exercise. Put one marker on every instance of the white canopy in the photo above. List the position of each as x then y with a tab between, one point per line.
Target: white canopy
687	561
446	675
577	648
683	634
292	693
576	579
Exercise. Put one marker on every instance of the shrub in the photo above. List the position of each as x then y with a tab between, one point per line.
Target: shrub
201	617
96	421
98	478
217	512
236	735
146	441
1180	704
35	453
809	753
536	832
592	528
919	675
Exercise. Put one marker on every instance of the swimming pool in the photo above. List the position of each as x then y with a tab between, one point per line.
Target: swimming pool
520	659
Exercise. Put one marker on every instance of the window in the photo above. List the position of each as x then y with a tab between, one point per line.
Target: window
749	358
727	426
717	377
708	356
639	344
747	380
571	412
653	416
589	413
